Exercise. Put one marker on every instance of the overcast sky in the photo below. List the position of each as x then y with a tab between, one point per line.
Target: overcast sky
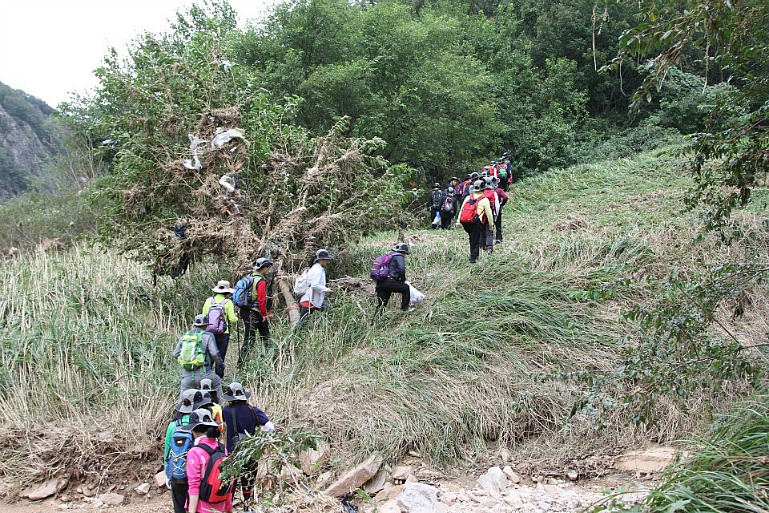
49	48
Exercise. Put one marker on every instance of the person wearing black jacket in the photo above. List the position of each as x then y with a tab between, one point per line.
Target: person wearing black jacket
395	281
243	420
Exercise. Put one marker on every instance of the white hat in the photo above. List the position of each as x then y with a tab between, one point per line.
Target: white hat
223	287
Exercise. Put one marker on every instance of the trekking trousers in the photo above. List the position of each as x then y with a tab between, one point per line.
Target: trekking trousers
253	321
474	231
179	489
498	226
384	290
222	342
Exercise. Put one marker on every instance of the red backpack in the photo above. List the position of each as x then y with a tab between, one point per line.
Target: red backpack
212	488
469	212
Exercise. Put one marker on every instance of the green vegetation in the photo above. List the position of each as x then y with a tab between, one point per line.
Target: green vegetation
474	366
727	471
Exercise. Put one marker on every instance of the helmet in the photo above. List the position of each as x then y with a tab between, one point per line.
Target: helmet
478	184
402	247
261	262
436	185
322	254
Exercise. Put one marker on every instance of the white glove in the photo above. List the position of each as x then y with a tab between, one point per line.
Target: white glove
269	427
168	483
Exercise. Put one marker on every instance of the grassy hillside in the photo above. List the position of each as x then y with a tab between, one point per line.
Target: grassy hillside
87	338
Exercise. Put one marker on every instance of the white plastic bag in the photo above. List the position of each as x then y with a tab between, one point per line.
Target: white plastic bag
437	219
416	296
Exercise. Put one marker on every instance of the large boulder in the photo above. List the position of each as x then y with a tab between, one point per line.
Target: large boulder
494	480
418	498
354	479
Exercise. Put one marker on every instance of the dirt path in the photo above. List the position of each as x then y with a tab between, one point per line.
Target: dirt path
455	496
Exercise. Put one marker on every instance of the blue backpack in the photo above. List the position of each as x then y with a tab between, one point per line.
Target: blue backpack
181	443
242	294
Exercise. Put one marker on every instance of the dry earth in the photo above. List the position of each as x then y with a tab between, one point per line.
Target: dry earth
461	492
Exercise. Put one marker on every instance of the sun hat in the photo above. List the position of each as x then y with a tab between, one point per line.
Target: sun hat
322	254
206	385
261	262
235	392
202	398
402	247
436	185
478	184
201	417
187	401
201	320
223	287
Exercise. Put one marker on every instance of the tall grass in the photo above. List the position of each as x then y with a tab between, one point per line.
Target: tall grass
727	471
87	337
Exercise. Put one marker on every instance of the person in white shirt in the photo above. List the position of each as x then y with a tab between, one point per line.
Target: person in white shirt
315	297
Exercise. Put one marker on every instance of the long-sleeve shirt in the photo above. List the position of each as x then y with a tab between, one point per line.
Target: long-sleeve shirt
259	293
247	419
229	309
197	459
210	349
503	197
397	267
482	207
316	286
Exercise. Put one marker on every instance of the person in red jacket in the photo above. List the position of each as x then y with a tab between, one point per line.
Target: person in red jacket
256	318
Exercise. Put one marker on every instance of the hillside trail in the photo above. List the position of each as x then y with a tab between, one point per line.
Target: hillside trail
458	491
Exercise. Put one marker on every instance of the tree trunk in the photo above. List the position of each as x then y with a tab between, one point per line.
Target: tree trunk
291	304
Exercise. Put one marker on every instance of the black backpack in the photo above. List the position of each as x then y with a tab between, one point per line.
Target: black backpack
436	199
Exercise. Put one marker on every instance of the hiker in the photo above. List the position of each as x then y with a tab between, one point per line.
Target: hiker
197	353
204	399
448	209
395	281
255	316
175	450
315	297
243	420
503	197
474	215
489	191
205	431
221	314
435	205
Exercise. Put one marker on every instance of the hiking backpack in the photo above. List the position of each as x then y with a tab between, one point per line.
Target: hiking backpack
300	286
212	488
242	294
448	203
469	213
217	318
191	356
181	442
436	198
380	269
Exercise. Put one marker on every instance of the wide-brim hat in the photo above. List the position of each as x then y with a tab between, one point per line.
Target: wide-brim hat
201	417
223	287
201	320
235	392
187	402
202	398
322	254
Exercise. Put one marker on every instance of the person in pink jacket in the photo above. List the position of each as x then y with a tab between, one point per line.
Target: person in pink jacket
205	430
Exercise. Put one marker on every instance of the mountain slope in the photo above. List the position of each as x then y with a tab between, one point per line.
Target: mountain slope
26	140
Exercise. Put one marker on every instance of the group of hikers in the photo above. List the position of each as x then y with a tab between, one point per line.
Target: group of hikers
477	201
192	450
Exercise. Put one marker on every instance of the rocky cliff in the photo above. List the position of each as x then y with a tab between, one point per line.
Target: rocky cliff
27	141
